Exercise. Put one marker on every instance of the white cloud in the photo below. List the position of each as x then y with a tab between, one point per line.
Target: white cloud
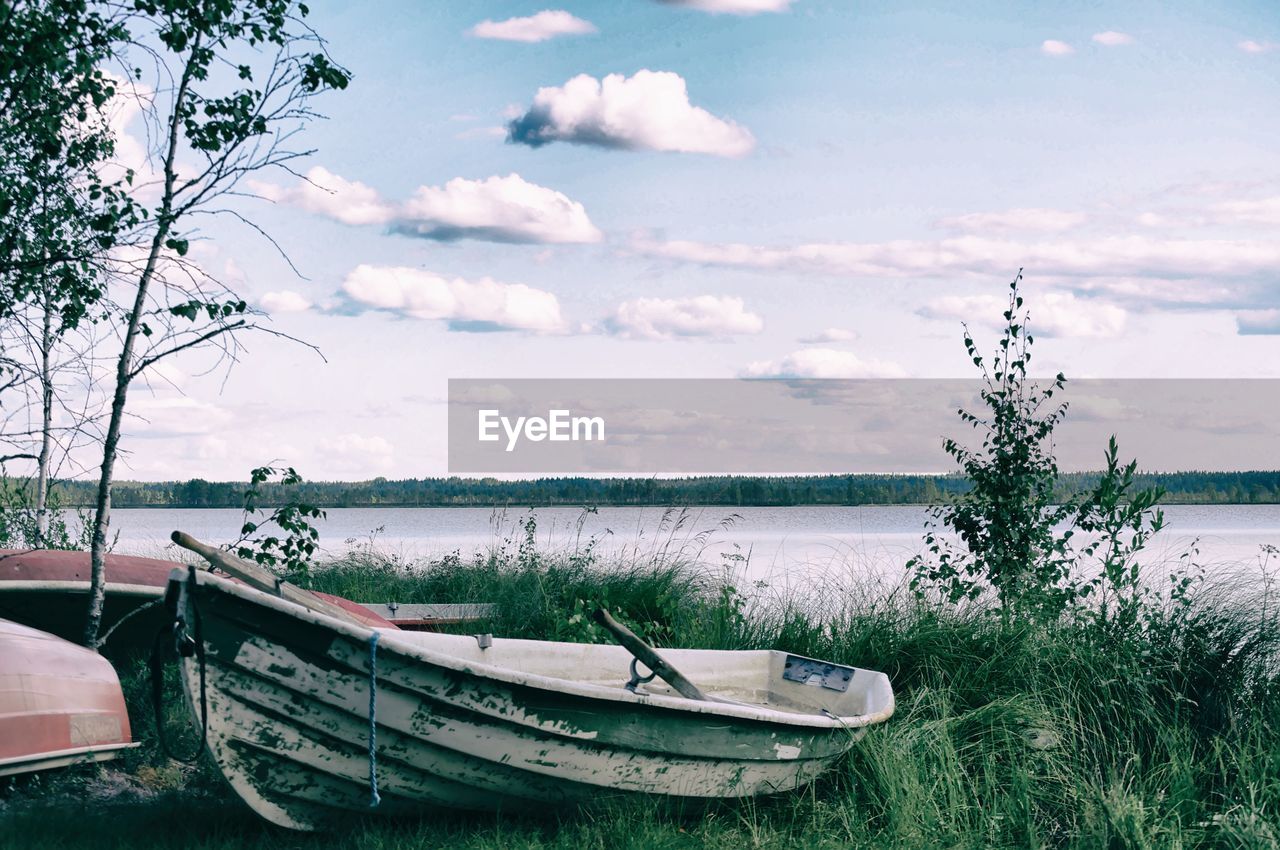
1251	46
824	363
1136	256
491	132
1240	211
1055	313
1140	293
325	193
544	25
1053	47
284	301
732	7
495	209
829	335
647	111
1111	38
1036	219
1265	211
666	318
1258	322
482	305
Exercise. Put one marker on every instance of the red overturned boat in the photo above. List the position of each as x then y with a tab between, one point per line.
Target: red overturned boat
60	704
49	590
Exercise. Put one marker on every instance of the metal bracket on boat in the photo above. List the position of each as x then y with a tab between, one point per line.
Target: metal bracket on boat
636	678
484	641
810	671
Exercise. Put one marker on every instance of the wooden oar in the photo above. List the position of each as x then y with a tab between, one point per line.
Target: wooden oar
648	656
261	578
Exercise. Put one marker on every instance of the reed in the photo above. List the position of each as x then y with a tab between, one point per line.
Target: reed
1072	733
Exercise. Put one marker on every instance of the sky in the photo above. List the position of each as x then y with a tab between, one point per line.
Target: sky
722	188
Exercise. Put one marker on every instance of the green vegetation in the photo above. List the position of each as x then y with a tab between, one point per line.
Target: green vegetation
1050	692
1259	487
1075	733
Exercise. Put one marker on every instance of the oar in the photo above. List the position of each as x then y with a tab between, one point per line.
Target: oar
648	656
259	577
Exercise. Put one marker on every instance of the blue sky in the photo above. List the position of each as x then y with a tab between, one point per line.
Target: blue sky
845	184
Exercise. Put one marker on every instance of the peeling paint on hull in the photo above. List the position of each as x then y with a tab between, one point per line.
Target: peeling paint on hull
501	728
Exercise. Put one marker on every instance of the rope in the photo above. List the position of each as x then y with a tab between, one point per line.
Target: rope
167	643
374	799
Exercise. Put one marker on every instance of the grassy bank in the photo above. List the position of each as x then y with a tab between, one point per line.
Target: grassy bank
1162	733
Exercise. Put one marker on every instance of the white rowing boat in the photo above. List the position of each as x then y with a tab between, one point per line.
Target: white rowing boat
312	718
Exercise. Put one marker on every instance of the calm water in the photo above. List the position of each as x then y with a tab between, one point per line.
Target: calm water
778	541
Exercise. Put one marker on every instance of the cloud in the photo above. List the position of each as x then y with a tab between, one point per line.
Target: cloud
732	7
1240	211
1111	38
482	305
1053	47
1140	293
1264	211
496	209
648	111
1046	220
1113	256
545	25
491	132
1059	314
823	363
284	301
668	318
1258	322
325	193
829	335
1251	46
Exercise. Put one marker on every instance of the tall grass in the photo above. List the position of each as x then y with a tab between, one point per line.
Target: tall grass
1164	732
1080	732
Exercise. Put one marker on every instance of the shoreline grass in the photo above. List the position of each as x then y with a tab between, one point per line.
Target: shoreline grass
1069	734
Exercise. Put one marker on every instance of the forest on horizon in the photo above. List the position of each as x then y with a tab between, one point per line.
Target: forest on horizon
1255	487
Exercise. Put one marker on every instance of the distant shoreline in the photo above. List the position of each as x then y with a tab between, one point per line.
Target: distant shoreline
655	505
719	491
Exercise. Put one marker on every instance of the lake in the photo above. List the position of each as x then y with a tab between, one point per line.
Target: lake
814	541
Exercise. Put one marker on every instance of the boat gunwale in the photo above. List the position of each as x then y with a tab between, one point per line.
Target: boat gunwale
534	680
77	586
89	751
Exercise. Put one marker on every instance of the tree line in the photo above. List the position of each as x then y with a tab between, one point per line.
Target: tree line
719	490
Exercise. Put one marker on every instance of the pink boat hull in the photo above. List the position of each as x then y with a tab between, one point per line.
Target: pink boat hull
49	590
60	704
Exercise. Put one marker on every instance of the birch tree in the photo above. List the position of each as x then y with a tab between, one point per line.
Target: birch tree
62	216
233	82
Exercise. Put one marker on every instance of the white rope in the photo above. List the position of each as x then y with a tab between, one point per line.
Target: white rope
374	799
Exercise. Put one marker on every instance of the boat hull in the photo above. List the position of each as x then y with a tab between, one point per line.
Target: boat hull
48	589
289	711
60	704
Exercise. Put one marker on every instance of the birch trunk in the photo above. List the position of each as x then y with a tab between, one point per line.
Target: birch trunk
125	371
46	425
